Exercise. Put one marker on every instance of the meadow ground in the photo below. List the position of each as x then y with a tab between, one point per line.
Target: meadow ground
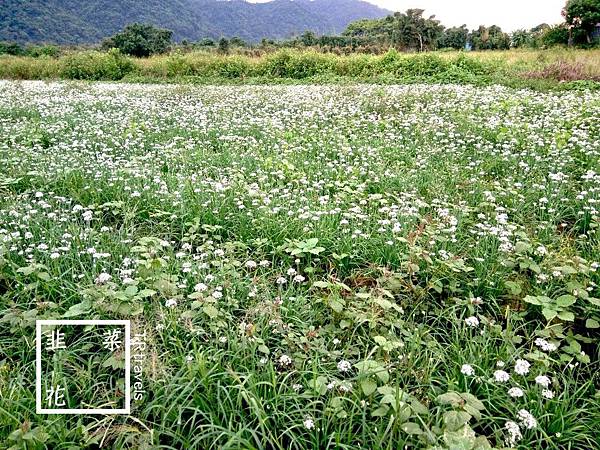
354	266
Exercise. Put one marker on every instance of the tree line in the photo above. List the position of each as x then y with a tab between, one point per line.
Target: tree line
408	31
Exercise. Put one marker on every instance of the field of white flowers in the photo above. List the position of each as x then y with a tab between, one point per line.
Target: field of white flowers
312	266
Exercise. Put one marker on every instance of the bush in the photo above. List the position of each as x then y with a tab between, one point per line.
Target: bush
296	65
11	48
140	40
36	51
94	65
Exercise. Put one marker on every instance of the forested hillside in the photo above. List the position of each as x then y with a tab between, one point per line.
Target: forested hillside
76	22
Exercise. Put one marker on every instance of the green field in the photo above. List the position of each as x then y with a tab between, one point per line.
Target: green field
334	266
553	69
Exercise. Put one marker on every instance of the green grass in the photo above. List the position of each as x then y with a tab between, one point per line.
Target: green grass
303	260
556	69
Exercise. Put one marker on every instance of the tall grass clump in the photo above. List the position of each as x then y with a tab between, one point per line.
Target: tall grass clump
94	65
297	65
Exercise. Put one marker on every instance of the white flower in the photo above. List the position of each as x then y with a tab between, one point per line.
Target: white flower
522	367
251	264
103	278
545	345
472	321
217	294
291	271
171	303
200	287
54	255
285	360
542	380
501	376
467	369
515	392
345	387
344	366
223	339
309	424
281	280
264	263
547	393
514	433
299	278
297	387
527	420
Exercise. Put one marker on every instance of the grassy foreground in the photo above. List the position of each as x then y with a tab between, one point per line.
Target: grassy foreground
312	266
546	69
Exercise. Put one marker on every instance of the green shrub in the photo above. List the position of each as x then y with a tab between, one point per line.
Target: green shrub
286	64
234	67
94	65
43	50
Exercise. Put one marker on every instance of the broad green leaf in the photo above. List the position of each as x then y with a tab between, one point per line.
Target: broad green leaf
368	386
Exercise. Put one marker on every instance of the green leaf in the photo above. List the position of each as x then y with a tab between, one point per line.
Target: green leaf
522	247
131	291
514	287
264	349
337	304
450	398
532	300
210	311
565	300
566	315
311	243
368	386
594	301
456	419
592	323
549	314
78	309
411	428
381	411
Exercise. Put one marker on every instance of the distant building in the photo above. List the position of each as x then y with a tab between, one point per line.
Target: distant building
468	47
596	33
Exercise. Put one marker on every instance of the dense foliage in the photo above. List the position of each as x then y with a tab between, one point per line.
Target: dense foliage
140	40
90	21
583	17
353	267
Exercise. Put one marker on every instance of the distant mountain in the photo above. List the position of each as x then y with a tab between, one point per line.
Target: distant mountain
89	21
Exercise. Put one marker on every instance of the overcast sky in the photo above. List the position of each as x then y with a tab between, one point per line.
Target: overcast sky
509	14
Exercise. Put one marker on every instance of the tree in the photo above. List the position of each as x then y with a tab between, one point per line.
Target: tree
140	40
237	42
522	38
409	30
11	48
492	38
308	38
455	37
555	35
206	42
223	45
581	16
